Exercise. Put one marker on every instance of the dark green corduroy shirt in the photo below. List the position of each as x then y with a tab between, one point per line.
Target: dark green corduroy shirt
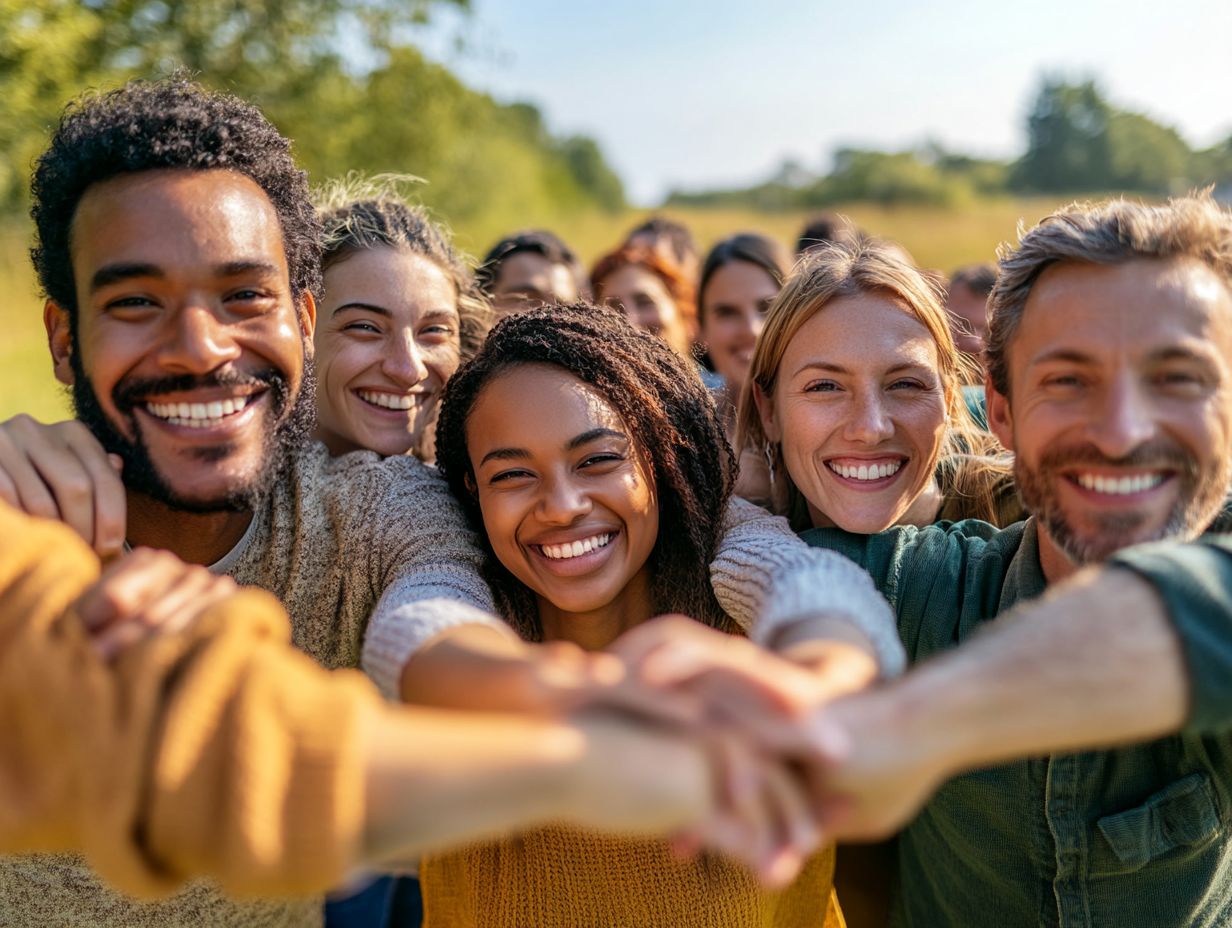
1132	838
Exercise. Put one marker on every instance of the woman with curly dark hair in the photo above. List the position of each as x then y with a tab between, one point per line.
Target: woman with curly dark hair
593	464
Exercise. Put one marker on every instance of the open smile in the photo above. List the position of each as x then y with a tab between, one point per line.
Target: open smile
214	413
866	474
388	402
576	556
1118	486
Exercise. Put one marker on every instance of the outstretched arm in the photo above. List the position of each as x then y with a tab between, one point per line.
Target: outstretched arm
1096	663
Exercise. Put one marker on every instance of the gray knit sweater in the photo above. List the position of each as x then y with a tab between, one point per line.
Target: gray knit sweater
361	543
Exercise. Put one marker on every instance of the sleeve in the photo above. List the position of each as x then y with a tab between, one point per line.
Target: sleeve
1195	583
429	572
217	751
765	577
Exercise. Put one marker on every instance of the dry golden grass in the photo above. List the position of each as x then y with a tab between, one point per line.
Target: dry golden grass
942	239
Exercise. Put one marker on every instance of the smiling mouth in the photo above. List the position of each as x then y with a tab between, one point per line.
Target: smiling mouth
397	401
865	471
200	415
1119	486
574	549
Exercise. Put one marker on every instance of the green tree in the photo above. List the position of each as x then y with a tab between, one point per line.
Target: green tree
1067	139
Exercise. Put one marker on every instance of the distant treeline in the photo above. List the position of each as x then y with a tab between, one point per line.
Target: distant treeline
340	77
1078	142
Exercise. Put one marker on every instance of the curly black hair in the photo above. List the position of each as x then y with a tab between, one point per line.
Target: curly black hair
172	123
671	419
535	241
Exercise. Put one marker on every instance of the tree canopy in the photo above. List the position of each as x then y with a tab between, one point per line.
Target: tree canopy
341	77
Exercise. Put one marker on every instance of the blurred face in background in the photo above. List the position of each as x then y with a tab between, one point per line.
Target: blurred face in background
968	320
647	303
387	343
528	280
733	309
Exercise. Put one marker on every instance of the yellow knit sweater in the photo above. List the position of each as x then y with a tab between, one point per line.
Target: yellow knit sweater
216	751
561	877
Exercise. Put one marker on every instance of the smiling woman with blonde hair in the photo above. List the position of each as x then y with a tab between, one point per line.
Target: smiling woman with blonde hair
854	401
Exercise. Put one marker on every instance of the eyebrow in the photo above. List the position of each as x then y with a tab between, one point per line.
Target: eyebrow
116	273
511	454
839	369
1062	355
366	307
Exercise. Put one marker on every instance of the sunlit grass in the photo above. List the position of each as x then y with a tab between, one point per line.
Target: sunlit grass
942	239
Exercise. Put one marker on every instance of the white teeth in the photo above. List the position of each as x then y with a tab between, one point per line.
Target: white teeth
865	471
388	400
197	415
575	548
1119	486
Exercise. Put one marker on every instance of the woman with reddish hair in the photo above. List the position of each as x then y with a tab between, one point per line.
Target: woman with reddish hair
653	292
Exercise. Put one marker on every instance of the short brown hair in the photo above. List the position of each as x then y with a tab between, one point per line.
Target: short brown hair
1112	232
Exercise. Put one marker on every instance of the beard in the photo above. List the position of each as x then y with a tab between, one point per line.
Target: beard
1199	498
289	422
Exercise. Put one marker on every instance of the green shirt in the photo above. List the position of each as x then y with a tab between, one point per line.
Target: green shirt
1126	838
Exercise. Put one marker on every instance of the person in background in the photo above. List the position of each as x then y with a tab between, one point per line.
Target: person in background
967	303
399	312
672	240
825	227
654	293
529	269
740	278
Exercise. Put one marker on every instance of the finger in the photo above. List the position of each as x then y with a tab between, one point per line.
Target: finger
24	486
794	835
671	707
62	472
117	591
110	505
634	645
180	602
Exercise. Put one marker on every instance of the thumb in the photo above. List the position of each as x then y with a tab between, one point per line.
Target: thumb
116	462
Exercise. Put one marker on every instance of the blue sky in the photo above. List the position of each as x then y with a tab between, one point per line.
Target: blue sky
694	93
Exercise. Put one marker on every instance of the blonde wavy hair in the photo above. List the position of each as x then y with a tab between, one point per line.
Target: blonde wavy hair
970	461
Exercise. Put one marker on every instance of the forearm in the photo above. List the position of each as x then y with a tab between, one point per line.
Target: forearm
468	667
1093	665
437	778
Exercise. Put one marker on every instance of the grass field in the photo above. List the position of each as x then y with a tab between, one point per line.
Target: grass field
937	239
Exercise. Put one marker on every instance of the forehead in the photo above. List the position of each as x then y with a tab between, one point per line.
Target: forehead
563	407
1113	311
389	278
175	219
739	278
859	330
631	277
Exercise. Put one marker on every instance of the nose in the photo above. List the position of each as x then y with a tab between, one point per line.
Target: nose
198	341
870	421
757	322
1124	420
403	361
563	501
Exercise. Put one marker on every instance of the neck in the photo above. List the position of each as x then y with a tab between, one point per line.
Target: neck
595	629
923	511
197	538
1054	562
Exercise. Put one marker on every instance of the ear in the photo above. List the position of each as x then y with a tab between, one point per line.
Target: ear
765	412
59	341
1000	419
307	310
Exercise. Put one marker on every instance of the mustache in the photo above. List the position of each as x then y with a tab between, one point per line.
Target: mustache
130	392
1152	455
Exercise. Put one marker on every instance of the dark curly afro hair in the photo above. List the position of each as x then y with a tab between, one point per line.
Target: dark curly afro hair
671	419
173	123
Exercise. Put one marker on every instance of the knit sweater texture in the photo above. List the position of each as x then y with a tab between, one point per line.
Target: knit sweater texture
561	877
338	539
214	750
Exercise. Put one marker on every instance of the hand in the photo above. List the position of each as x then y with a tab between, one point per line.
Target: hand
147	592
716	792
875	762
733	681
61	472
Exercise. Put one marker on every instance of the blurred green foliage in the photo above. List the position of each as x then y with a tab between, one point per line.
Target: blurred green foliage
1077	142
340	77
